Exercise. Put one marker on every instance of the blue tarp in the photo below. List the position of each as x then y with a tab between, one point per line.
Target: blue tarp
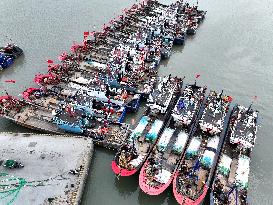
71	128
5	61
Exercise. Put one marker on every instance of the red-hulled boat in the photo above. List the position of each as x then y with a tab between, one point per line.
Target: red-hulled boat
8	103
58	69
132	155
193	178
186	201
63	56
159	169
156	174
32	93
230	184
46	79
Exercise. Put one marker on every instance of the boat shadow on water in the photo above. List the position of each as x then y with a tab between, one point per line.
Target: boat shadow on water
164	63
178	48
165	198
126	185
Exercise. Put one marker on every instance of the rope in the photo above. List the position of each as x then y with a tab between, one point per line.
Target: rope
10	186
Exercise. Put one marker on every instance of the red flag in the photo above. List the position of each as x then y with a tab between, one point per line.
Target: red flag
86	33
229	99
197	76
49	61
10	81
74	47
62	56
125	10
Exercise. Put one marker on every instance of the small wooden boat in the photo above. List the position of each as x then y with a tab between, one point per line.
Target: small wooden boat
191	30
12	50
192	180
8	54
179	38
159	169
231	179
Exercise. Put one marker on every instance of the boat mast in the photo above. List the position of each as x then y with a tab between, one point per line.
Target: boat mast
249	108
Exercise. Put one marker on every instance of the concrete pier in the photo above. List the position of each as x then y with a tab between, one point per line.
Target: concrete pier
45	177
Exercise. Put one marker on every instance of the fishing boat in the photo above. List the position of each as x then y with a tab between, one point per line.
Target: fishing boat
57	69
10	105
131	156
161	97
194	175
188	105
31	94
166	47
80	120
65	90
122	57
212	120
179	38
28	114
158	171
80	96
104	93
231	179
191	28
169	26
13	50
83	109
8	54
90	123
192	16
47	79
180	28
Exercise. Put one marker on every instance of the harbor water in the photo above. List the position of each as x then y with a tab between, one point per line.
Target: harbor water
232	50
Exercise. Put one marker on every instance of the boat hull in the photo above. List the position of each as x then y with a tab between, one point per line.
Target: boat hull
185	200
178	41
191	31
122	172
153	191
